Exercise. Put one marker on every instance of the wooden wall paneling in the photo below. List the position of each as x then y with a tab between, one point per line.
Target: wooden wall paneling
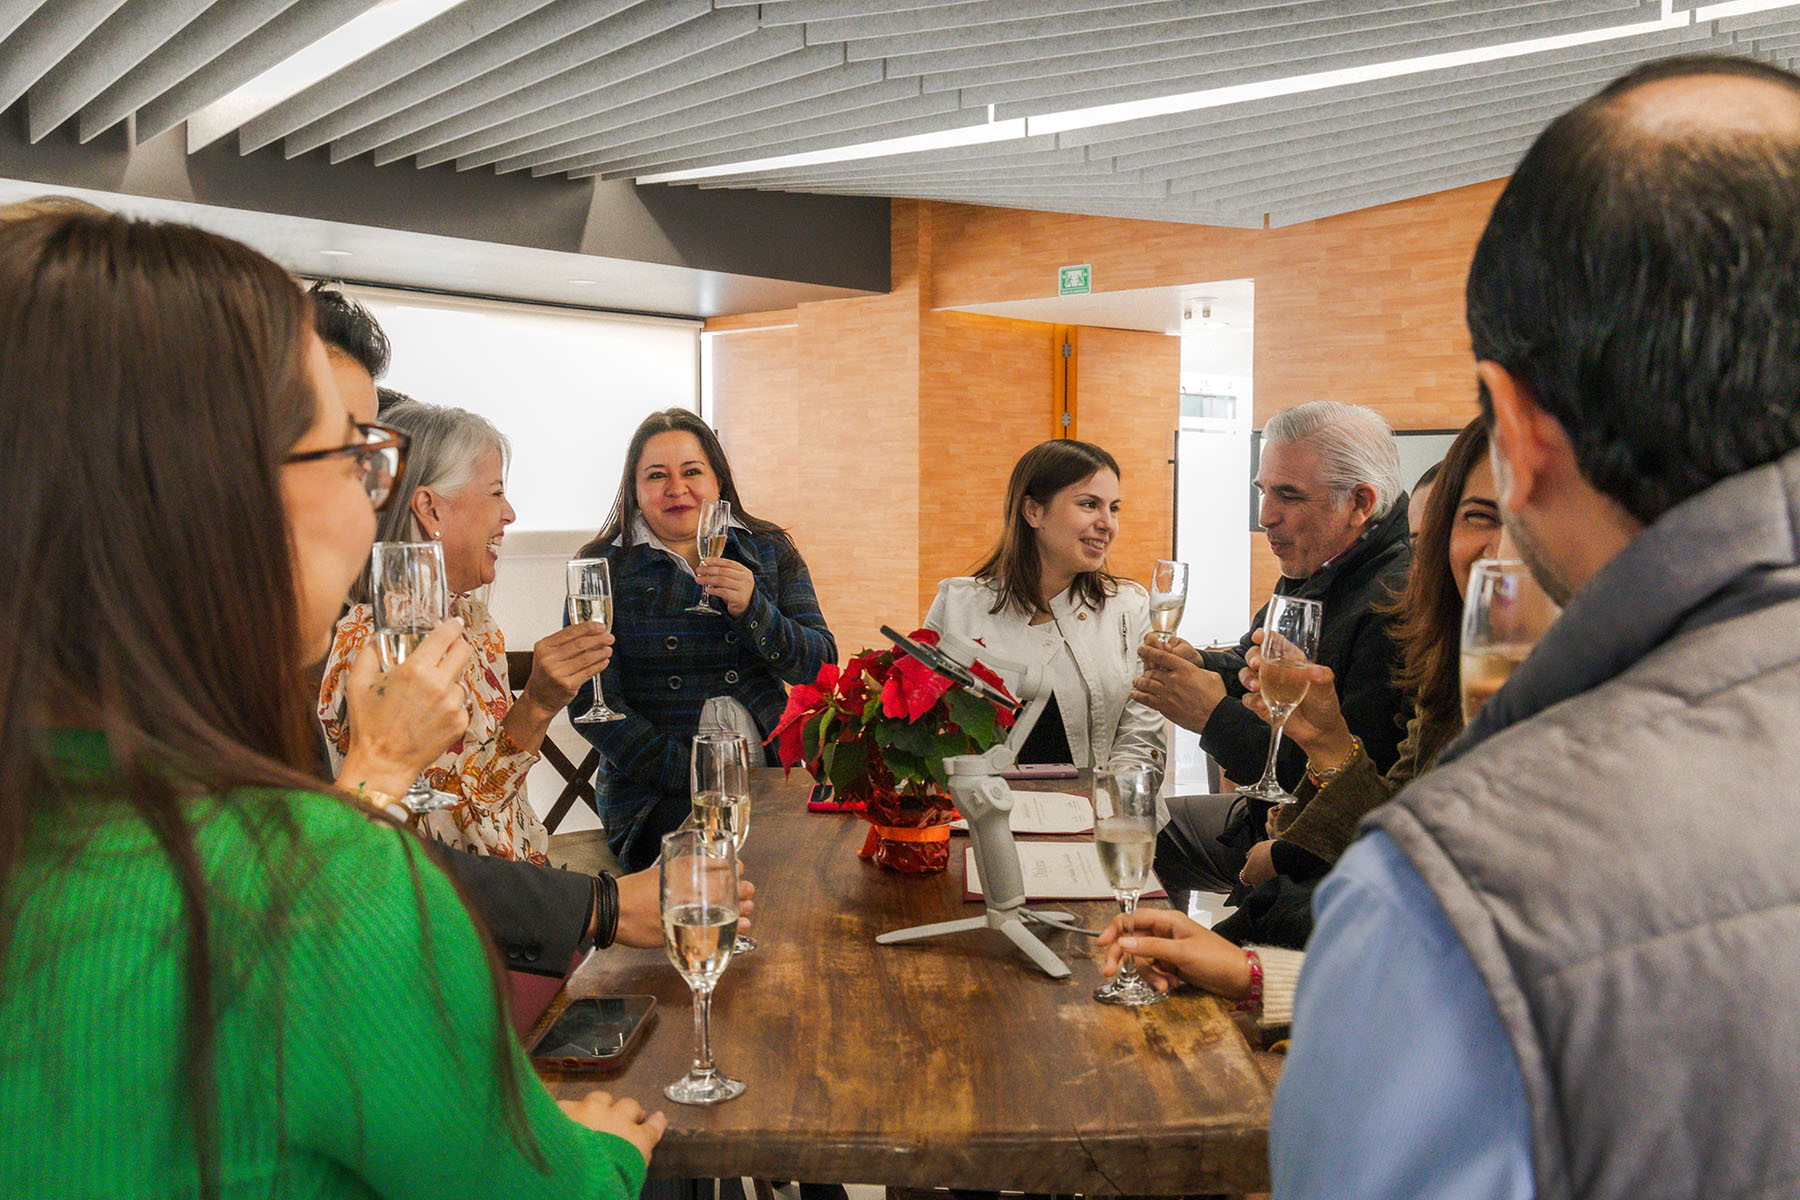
733	322
987	394
1130	405
857	462
756	410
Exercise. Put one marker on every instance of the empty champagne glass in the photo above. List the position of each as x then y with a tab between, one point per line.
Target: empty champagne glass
1503	616
1290	642
408	598
590	599
699	919
1168	597
719	772
715	519
1125	836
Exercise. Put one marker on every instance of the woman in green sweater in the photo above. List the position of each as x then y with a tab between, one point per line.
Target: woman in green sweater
214	979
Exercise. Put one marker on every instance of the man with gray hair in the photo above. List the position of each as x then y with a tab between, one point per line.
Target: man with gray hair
1334	509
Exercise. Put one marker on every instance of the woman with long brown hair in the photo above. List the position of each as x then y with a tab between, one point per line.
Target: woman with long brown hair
1045	598
294	996
763	629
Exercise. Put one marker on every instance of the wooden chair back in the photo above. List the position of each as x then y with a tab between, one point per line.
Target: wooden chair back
578	778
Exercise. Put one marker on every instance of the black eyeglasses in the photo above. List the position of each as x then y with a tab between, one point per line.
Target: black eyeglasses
381	456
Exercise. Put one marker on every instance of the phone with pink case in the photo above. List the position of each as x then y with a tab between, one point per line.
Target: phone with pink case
1028	771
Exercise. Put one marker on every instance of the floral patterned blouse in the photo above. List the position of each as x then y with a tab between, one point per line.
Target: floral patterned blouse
484	768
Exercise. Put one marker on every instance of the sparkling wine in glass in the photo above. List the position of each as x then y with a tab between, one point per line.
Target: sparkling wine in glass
1503	616
409	598
1290	642
591	599
719	772
715	520
1168	597
1125	837
699	879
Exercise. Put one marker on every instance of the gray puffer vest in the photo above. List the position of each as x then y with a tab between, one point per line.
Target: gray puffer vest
1617	842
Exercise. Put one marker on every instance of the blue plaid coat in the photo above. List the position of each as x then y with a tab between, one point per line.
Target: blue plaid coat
667	663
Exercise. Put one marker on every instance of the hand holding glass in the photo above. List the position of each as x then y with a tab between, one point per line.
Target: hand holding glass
1168	597
715	520
1503	617
699	881
719	774
1290	643
408	598
591	599
1125	837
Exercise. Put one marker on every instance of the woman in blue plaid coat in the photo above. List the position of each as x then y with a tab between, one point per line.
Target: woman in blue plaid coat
668	662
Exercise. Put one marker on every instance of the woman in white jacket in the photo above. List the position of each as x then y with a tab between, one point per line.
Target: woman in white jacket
1044	598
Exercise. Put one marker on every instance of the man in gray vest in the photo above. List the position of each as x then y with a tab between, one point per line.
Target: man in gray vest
1566	963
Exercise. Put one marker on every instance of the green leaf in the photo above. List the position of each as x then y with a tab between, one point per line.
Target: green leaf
849	764
812	736
976	717
919	740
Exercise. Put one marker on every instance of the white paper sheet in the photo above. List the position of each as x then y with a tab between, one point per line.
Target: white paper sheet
1045	812
1058	871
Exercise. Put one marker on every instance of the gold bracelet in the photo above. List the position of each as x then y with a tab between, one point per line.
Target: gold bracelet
1321	778
377	799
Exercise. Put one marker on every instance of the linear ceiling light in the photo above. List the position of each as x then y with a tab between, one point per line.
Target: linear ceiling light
354	39
1738	8
973	135
1137	110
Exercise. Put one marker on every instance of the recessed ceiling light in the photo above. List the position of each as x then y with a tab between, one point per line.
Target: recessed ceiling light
585	282
335	253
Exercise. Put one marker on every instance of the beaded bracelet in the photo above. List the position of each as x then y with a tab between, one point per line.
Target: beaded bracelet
1252	1001
1321	778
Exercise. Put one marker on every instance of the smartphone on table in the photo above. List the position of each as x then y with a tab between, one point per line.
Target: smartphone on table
596	1034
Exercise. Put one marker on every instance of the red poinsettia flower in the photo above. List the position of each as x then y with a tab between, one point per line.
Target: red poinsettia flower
1004	716
870	664
912	689
804	702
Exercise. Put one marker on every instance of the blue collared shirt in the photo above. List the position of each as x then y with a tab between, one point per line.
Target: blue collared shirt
1400	1082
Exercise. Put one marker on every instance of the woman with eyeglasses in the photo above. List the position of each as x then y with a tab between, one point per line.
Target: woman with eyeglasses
452	490
293	990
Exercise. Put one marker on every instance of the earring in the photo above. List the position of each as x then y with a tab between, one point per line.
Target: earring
437	535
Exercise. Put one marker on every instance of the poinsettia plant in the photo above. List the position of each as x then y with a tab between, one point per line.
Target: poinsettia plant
885	721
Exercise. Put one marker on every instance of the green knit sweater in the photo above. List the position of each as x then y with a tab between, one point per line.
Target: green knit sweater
355	1035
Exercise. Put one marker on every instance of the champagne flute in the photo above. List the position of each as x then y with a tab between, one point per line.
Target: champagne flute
1125	837
719	771
1503	616
1168	596
408	598
699	918
715	519
590	599
1290	641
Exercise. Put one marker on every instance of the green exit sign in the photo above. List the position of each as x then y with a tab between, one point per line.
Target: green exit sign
1075	281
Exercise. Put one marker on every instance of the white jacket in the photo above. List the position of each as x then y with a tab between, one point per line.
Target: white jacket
1092	682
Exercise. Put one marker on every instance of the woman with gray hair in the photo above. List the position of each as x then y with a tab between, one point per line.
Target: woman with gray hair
453	490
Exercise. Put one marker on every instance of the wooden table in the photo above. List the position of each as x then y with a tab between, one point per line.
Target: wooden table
950	1063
